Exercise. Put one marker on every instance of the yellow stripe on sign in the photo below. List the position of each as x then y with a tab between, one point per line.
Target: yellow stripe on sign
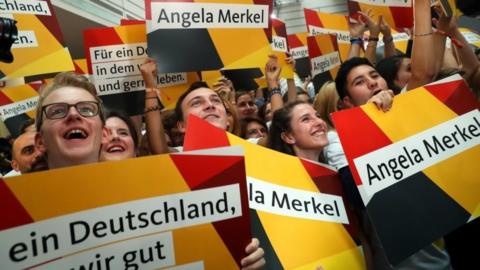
349	259
231	49
216	252
266	164
86	192
132	33
458	177
287	69
407	108
56	61
48	45
377	11
333	21
19	93
255	59
283	233
476	213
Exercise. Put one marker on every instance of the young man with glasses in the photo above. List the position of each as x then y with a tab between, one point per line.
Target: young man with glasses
69	122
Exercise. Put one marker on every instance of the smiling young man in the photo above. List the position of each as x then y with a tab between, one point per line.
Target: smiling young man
69	122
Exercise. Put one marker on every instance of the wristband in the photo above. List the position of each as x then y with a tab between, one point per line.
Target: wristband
151	109
372	38
275	90
356	41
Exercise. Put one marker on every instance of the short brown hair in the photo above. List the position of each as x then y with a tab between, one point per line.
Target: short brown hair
62	80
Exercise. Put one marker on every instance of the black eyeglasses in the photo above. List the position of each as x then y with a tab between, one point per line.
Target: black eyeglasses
60	110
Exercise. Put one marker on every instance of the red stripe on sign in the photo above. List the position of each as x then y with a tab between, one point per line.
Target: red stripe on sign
313	49
453	95
12	211
359	135
51	24
312	18
4	99
197	169
202	135
353	9
294	41
402	16
233	231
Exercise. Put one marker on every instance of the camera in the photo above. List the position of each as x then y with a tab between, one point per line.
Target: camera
8	35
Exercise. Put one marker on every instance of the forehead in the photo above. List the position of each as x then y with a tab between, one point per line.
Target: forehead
361	70
24	139
254	124
245	97
302	109
115	122
68	94
200	92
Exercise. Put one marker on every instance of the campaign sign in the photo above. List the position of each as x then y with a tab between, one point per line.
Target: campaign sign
324	58
297	208
208	35
17	105
39	47
416	165
142	213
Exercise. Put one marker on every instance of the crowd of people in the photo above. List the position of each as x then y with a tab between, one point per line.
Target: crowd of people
73	128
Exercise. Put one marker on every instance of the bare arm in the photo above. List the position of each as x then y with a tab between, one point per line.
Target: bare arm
291	88
356	36
153	118
388	45
374	28
427	47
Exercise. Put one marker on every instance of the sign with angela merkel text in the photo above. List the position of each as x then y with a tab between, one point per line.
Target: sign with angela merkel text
208	35
416	165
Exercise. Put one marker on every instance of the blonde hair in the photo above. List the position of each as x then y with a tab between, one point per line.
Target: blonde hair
232	109
65	79
326	101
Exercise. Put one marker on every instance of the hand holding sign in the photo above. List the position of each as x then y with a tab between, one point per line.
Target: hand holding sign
272	71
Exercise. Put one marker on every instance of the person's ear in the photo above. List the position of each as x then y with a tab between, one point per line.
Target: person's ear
181	126
15	165
287	137
106	132
39	143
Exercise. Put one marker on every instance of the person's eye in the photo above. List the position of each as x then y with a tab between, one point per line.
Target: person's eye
124	133
56	110
28	150
195	103
359	82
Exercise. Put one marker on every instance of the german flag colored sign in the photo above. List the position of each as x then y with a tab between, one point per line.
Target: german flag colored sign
280	47
296	206
396	13
297	44
143	213
416	166
324	58
18	104
197	35
39	48
114	56
325	23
